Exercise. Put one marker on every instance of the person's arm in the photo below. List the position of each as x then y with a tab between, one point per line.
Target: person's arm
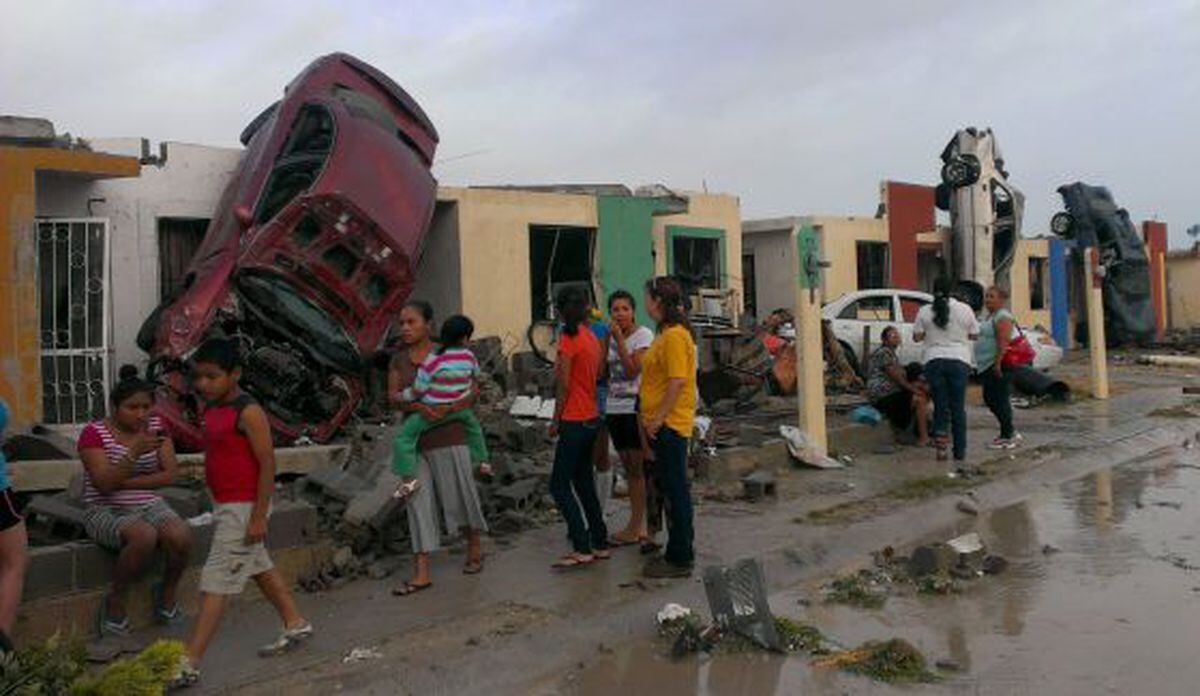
254	425
896	374
165	476
395	391
105	476
972	324
562	380
1004	327
918	330
631	361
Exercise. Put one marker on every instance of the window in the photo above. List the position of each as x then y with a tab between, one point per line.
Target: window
557	256
300	162
748	285
178	240
1037	283
697	262
870	309
872	258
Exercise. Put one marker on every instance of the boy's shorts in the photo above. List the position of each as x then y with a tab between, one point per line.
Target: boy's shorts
230	561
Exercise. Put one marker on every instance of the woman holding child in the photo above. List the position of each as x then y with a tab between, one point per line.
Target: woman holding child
443	471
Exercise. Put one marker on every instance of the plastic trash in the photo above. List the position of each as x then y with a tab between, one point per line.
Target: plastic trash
866	415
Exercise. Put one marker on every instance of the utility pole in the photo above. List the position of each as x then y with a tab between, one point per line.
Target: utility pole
810	362
1095	318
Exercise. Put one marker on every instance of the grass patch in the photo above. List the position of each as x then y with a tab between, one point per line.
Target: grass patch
920	489
800	637
858	590
894	661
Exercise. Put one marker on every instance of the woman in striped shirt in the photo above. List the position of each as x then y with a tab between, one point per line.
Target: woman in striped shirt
125	458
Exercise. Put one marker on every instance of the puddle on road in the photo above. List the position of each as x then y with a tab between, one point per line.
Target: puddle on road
1102	596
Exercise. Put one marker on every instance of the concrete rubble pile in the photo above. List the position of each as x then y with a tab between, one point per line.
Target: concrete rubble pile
368	524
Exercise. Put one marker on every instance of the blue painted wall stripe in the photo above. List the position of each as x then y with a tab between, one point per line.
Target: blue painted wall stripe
1060	320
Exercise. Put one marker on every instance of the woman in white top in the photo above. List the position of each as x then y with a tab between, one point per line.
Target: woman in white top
627	343
947	328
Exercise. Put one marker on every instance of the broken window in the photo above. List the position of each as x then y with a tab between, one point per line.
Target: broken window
697	262
178	240
1037	283
300	161
342	260
872	260
557	256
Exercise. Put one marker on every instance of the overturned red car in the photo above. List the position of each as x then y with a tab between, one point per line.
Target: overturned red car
310	254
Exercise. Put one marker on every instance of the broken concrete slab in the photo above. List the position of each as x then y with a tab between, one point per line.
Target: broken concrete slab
376	506
521	495
758	485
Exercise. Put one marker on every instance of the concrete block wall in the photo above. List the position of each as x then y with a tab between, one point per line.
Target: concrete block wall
66	582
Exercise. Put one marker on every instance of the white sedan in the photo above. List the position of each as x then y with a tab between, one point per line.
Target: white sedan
871	311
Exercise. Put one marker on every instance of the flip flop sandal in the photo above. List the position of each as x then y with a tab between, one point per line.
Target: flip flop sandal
405	490
573	562
410	588
473	567
602	554
618	542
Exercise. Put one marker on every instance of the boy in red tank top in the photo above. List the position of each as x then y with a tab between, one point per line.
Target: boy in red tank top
239	467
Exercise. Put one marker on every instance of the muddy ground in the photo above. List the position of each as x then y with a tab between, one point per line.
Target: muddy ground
518	628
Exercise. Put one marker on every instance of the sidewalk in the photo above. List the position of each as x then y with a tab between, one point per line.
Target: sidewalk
519	626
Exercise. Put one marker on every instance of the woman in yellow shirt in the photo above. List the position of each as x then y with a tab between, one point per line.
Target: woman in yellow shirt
667	399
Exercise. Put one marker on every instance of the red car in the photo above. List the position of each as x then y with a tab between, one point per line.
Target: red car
310	254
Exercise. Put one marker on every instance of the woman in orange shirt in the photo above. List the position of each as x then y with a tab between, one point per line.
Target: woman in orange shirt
576	423
667	399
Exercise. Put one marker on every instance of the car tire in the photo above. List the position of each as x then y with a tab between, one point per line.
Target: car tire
1061	224
960	171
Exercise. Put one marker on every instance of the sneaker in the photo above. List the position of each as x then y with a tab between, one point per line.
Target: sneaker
1001	443
662	568
186	674
288	639
108	626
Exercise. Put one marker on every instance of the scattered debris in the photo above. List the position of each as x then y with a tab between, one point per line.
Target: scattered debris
673	612
948	665
864	589
893	661
1168	504
758	485
737	597
362	655
804	451
1048	550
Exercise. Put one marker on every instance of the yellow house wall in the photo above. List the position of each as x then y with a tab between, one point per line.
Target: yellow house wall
838	238
1019	284
493	229
20	373
712	210
1183	291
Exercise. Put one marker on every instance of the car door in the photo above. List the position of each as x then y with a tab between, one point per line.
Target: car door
869	314
908	306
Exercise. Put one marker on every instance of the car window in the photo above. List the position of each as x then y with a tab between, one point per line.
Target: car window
870	309
910	306
300	161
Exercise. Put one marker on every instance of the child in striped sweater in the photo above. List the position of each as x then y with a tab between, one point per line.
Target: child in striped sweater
446	377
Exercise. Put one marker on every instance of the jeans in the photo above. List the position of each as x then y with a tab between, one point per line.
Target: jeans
571	477
670	471
996	389
948	382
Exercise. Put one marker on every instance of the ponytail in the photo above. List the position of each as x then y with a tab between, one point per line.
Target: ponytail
941	302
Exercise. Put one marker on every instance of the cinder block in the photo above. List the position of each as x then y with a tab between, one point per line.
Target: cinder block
51	571
93	565
293	523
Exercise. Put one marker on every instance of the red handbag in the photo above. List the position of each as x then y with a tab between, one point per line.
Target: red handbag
1019	352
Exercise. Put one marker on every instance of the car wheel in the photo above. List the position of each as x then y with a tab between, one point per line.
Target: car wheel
1061	225
960	171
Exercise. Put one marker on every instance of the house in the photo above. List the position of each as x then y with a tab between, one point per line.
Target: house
901	246
98	232
1183	287
497	254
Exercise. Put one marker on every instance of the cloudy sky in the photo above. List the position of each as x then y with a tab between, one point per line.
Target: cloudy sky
796	107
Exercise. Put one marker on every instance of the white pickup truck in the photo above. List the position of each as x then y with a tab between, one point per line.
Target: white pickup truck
874	310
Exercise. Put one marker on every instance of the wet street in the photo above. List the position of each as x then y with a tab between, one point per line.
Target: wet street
1102	596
